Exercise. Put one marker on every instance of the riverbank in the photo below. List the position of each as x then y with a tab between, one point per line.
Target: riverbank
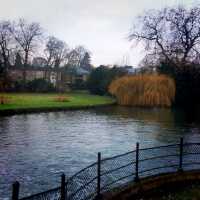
19	103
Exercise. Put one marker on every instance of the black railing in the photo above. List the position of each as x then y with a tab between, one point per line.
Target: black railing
106	174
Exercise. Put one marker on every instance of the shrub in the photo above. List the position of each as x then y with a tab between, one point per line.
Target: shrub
4	100
187	87
144	90
100	79
62	99
18	86
5	82
187	79
79	85
40	85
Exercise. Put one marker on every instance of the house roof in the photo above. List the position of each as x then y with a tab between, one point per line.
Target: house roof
72	70
33	68
81	71
77	71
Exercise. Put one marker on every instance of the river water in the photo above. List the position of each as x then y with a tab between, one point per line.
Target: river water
36	148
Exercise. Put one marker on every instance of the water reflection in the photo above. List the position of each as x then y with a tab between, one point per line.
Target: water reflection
36	148
163	125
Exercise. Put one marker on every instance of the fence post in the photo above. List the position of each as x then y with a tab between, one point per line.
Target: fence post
15	190
181	156
99	176
137	162
62	194
66	190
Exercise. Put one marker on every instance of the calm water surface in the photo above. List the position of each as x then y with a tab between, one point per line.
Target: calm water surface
36	148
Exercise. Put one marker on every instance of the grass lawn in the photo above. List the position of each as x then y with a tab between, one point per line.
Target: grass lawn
18	101
191	192
185	194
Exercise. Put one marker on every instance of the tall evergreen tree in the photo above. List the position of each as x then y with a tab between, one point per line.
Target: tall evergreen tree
18	60
86	62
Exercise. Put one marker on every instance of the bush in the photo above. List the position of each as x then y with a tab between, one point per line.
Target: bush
79	85
18	86
37	85
4	100
62	99
5	81
144	90
187	84
40	85
100	79
187	80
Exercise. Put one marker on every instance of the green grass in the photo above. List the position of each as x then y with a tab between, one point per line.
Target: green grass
31	101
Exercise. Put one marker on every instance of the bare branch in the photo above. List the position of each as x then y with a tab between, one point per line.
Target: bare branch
172	32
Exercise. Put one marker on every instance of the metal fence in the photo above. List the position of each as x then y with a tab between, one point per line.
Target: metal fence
106	174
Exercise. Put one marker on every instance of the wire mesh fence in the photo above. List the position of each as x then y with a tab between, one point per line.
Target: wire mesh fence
82	182
53	194
117	170
158	160
106	174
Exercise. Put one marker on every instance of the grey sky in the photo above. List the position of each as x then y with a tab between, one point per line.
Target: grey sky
99	25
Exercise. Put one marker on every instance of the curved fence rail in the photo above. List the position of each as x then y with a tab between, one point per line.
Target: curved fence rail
106	174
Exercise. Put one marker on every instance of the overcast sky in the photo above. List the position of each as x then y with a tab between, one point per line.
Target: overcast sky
100	25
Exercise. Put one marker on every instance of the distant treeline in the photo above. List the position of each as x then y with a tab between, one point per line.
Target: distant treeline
24	44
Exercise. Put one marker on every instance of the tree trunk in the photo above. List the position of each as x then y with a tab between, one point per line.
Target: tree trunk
25	65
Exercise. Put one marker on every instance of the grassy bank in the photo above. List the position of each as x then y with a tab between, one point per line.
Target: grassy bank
29	101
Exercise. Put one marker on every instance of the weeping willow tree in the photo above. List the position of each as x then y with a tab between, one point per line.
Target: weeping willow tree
144	90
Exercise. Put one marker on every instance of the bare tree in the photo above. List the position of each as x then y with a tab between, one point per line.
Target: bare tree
76	56
50	50
150	61
27	36
56	52
6	42
6	47
39	62
61	55
81	51
173	34
73	58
